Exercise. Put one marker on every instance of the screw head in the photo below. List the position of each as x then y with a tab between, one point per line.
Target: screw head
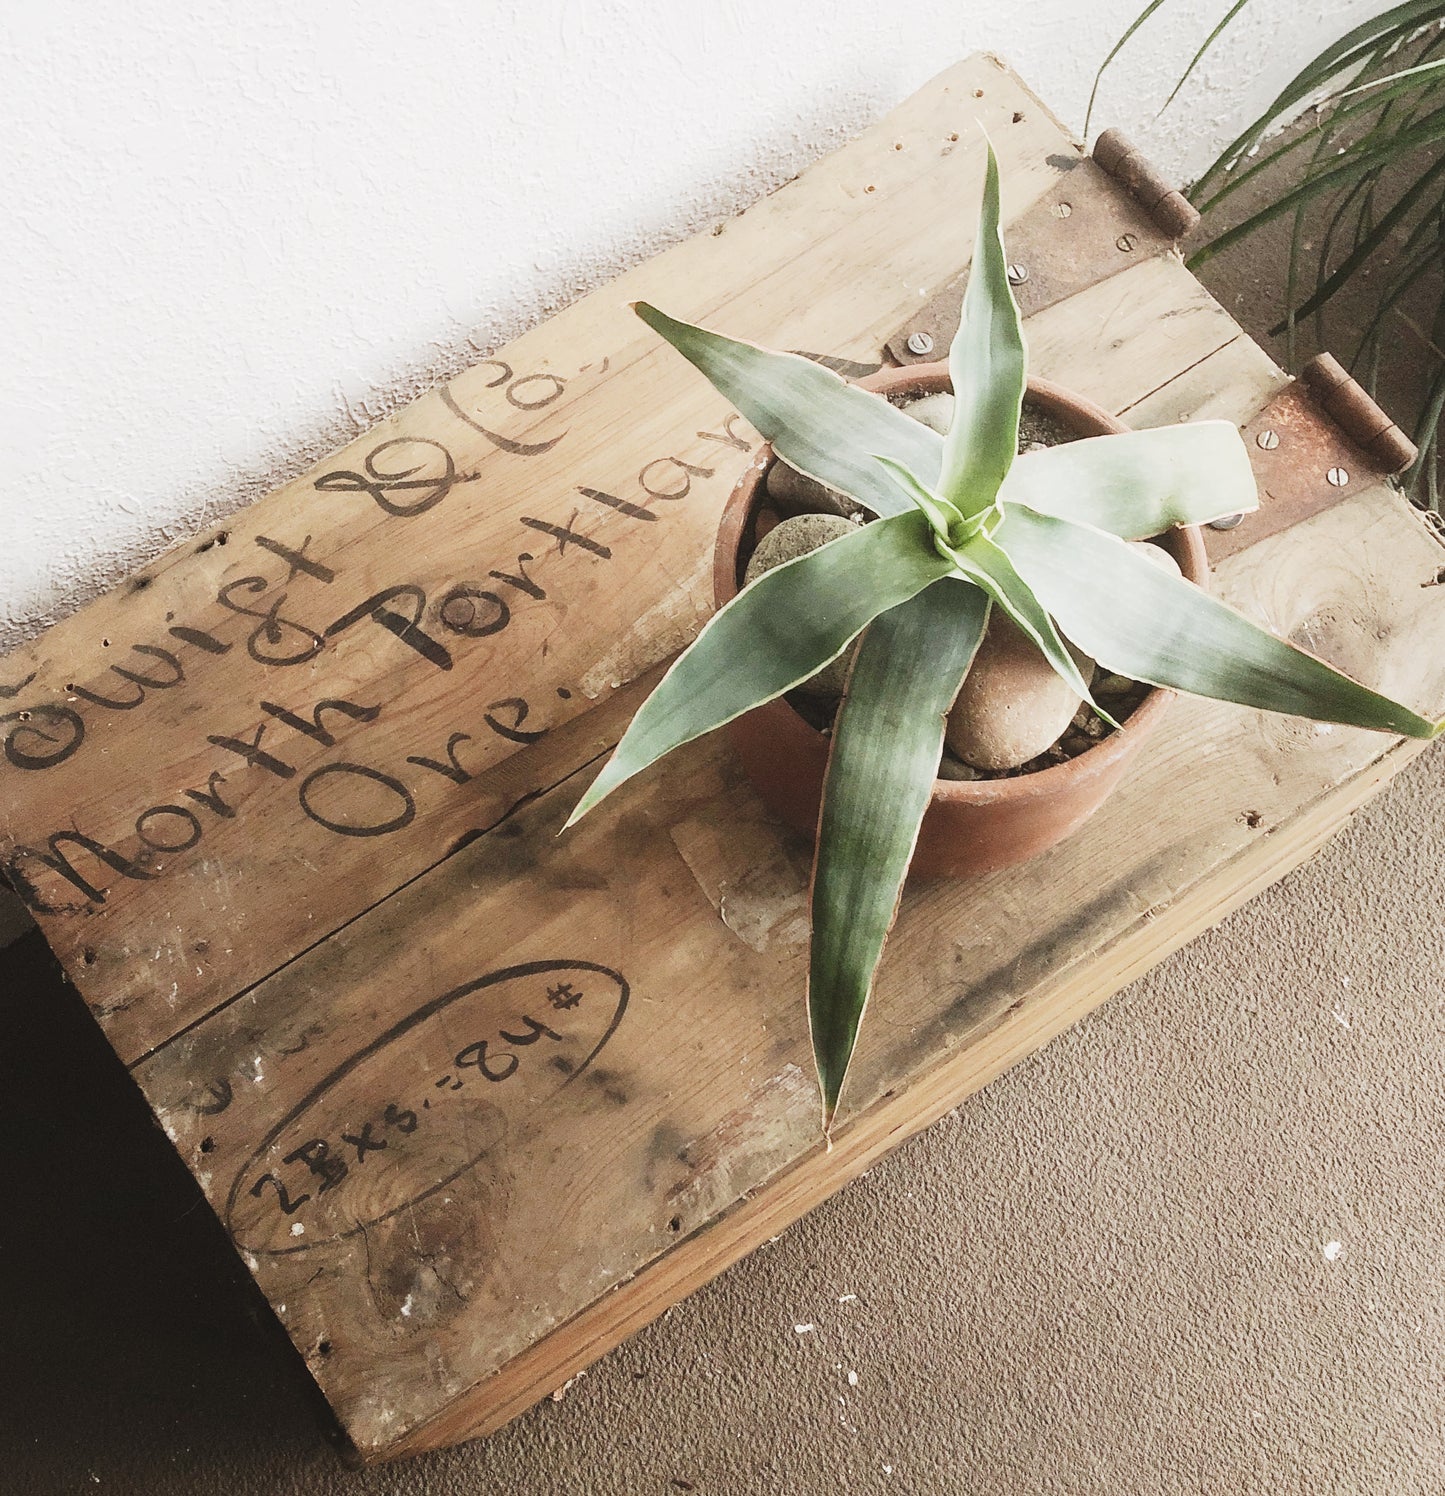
1062	210
1337	477
1225	522
1267	441
919	343
1127	242
1017	274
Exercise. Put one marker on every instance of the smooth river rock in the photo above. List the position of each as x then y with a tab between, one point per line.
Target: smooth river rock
1013	705
793	492
1157	554
935	411
785	542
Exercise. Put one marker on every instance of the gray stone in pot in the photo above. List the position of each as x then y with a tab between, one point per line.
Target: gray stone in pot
1013	705
793	492
787	541
935	411
1157	554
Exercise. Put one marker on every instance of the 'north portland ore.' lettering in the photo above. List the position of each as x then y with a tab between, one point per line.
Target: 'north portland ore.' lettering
354	707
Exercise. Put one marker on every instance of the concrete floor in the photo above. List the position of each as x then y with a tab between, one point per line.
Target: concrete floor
1196	1246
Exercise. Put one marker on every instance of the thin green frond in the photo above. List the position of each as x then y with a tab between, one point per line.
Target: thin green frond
1114	51
1204	50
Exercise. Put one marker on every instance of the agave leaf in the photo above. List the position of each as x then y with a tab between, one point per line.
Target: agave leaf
990	567
887	741
986	364
1137	619
947	523
781	628
1139	483
816	421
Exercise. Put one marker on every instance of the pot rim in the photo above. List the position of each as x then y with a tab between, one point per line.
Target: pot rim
1074	410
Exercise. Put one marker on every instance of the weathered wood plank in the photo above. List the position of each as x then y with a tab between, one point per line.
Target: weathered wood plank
475	1102
209	827
1232	384
595	1165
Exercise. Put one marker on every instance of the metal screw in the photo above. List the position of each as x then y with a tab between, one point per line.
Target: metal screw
919	343
1062	210
1228	522
1017	274
1127	242
1337	477
1267	441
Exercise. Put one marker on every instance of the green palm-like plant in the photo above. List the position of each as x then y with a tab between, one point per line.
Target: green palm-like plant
1361	176
962	525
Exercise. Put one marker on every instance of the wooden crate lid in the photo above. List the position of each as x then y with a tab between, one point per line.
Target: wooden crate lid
474	1102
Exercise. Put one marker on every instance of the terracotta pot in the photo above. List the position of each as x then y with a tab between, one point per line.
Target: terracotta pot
971	826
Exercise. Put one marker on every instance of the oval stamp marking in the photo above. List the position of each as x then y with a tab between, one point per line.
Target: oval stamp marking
409	1113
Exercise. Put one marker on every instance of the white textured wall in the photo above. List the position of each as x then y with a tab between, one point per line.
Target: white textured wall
232	234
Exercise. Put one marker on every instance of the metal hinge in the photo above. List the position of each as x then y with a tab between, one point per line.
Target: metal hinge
1321	439
1099	217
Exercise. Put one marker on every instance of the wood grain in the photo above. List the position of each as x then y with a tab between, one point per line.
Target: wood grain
474	1101
702	1103
192	887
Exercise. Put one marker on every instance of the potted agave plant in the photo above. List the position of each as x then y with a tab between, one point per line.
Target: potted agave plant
964	540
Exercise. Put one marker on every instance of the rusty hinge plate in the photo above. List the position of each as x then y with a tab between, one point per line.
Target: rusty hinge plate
1319	440
1099	217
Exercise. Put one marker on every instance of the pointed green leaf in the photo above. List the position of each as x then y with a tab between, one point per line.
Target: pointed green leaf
988	565
886	746
1139	483
1139	620
1199	56
987	366
781	628
941	515
817	422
